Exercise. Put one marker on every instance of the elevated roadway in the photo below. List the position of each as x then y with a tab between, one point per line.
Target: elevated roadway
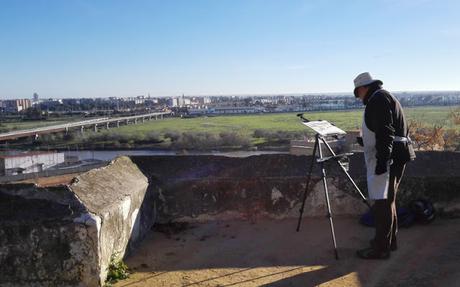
93	123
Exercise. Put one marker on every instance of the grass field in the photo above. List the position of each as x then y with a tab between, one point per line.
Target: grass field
247	124
217	131
433	116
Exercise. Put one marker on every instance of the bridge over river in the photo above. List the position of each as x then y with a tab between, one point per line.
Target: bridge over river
94	124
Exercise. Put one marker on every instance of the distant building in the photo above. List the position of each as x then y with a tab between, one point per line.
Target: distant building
15	106
29	162
237	110
287	108
198	112
139	100
172	102
183	101
206	100
35	99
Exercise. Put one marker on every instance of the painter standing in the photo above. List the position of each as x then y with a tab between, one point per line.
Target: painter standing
387	149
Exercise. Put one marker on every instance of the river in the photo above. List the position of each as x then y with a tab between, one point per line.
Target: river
107	155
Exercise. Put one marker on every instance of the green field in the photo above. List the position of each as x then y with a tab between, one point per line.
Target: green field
239	131
247	124
433	116
260	130
242	124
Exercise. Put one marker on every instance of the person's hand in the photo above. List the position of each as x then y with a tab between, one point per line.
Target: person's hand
381	167
359	140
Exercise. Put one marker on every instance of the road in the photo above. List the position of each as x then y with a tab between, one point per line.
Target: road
94	123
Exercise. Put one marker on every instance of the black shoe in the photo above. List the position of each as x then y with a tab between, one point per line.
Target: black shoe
393	245
371	253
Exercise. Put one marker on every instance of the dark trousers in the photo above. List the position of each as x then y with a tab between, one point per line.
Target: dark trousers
386	218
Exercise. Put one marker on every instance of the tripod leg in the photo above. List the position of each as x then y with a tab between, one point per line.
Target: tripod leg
305	193
347	174
326	193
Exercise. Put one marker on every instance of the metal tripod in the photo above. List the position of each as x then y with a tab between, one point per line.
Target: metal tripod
321	160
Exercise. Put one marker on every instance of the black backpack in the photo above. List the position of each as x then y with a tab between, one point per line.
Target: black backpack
417	211
423	210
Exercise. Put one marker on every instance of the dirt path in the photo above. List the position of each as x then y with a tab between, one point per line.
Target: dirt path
271	253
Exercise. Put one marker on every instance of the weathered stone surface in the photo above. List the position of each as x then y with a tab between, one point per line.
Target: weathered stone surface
41	245
115	195
196	188
65	235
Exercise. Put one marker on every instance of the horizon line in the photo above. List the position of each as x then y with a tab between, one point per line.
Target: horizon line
236	95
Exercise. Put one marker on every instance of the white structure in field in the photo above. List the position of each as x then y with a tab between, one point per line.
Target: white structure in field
29	162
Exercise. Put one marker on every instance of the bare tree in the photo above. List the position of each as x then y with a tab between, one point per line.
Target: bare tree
426	137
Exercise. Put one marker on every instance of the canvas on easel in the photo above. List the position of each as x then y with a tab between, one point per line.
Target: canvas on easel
324	128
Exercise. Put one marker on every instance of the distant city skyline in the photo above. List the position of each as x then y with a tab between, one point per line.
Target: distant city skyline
261	95
104	48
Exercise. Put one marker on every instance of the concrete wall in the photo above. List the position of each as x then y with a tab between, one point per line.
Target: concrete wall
31	163
42	244
197	188
65	235
200	188
117	197
50	172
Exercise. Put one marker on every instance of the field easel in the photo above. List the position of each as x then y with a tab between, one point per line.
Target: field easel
325	129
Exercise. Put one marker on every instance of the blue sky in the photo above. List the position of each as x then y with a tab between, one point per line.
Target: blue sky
82	48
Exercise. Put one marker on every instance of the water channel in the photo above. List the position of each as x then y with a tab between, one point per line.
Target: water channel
107	155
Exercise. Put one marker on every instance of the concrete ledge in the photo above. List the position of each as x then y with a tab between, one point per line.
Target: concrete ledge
65	235
201	188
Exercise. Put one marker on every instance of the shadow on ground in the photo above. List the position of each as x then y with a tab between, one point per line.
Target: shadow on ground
271	253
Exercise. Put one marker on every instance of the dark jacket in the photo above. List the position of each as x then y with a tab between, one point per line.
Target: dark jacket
385	117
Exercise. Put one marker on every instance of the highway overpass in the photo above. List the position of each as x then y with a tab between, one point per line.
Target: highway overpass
94	124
